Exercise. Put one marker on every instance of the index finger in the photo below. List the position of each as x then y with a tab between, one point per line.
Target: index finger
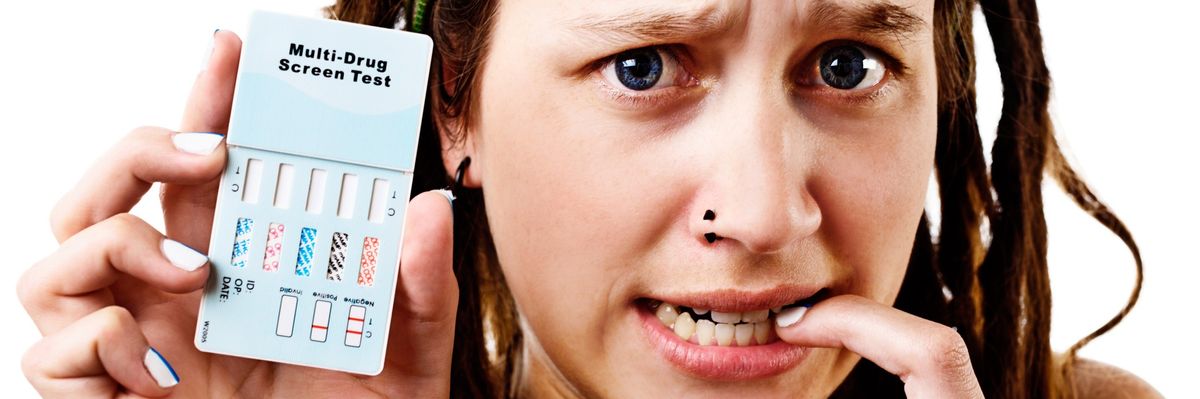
930	358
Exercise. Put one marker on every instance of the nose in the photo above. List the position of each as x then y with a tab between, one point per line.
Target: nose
757	194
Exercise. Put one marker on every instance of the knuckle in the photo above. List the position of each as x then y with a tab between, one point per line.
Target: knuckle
113	321
948	353
32	363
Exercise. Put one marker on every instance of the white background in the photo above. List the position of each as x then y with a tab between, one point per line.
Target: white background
76	76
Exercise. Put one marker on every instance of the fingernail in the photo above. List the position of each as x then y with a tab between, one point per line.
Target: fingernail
790	316
162	371
449	196
181	256
197	143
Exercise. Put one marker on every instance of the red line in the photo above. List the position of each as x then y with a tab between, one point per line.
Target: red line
321	327
355	319
353	332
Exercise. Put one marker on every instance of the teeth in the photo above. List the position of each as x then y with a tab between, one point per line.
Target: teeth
684	326
704	332
754	327
724	334
742	333
761	331
722	317
666	314
776	309
755	316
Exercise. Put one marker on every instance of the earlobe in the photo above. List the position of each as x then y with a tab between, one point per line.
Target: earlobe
458	152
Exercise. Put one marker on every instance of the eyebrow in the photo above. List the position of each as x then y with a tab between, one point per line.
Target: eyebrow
877	18
656	25
662	26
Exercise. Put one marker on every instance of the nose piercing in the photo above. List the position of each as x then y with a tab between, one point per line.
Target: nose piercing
710	236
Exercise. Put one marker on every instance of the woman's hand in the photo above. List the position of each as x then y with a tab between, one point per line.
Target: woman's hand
930	358
117	287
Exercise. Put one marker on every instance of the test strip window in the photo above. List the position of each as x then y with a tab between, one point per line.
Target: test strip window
310	210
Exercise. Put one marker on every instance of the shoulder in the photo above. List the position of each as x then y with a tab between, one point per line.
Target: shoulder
1097	380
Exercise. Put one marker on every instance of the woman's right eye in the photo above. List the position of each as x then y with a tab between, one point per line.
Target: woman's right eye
643	69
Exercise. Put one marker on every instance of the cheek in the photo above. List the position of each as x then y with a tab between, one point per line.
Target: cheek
872	194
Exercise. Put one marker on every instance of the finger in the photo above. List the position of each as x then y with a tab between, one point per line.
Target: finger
211	98
122	176
930	358
101	355
187	209
72	282
427	296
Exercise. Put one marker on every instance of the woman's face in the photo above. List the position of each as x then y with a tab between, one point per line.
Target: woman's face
807	127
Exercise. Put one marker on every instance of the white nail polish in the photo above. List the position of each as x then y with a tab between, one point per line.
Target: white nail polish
790	316
181	256
197	143
158	367
449	196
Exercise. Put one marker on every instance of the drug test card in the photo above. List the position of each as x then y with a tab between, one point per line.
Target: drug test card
310	215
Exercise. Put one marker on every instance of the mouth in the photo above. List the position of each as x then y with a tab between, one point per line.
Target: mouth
725	335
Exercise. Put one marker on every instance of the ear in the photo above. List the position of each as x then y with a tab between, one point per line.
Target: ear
457	144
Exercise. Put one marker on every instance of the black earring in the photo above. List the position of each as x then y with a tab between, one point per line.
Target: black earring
710	236
459	175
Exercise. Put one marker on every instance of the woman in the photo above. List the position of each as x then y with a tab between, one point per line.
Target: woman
690	199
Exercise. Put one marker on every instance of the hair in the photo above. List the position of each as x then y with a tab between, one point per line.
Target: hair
985	272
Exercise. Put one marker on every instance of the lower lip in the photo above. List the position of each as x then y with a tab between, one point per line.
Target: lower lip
728	363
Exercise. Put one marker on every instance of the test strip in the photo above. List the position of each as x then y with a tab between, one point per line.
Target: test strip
241	242
274	247
348	196
316	191
337	256
366	269
354	325
304	256
287	316
379	194
320	324
253	181
283	186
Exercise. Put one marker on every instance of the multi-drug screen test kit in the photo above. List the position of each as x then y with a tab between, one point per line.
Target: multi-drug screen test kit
309	219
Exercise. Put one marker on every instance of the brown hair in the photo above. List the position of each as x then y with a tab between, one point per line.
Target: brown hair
993	287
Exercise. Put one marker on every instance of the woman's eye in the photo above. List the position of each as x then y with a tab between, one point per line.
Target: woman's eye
849	67
642	69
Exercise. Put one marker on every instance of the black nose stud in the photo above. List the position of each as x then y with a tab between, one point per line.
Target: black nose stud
710	236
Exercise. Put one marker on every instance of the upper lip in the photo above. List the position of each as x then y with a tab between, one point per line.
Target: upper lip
740	300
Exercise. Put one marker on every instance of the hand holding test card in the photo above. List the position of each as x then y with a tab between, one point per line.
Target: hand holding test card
308	225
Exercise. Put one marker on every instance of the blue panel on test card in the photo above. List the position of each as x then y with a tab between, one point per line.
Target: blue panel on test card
309	219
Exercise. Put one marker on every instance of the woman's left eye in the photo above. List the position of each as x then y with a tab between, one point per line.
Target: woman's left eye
643	69
850	67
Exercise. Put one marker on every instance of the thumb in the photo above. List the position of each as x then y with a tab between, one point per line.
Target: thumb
188	209
421	342
209	104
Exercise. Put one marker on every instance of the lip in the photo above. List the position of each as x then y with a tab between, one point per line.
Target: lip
734	300
725	363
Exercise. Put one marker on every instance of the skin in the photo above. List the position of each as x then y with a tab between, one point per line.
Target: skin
810	186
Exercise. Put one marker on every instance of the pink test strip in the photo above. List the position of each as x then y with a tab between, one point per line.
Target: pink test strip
366	269
274	247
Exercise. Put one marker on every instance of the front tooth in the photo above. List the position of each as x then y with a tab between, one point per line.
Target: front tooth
742	333
699	311
777	309
704	332
755	316
684	326
666	314
761	330
722	317
724	334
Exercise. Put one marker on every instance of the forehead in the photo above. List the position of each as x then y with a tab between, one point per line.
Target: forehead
651	18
